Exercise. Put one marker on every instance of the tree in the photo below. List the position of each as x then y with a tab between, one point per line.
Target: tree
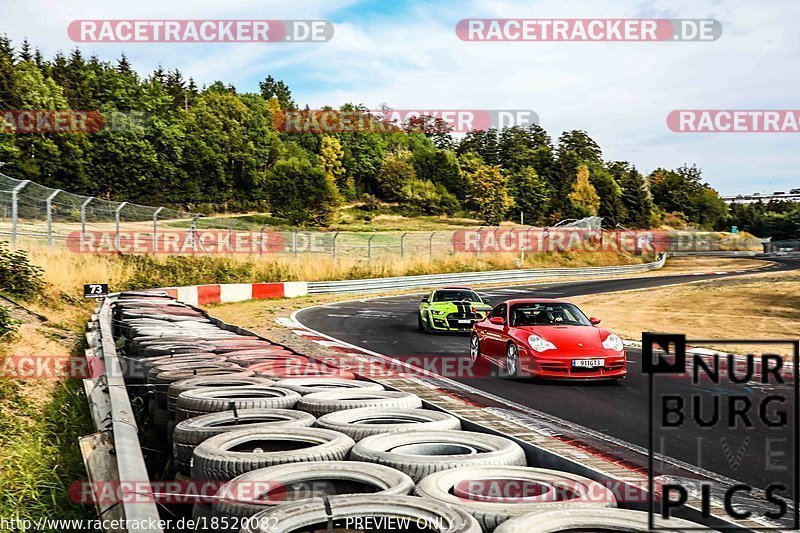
683	191
530	194
330	159
583	197
610	193
579	143
490	194
272	88
396	170
636	198
301	193
441	168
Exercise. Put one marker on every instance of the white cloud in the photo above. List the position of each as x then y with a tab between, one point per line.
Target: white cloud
620	92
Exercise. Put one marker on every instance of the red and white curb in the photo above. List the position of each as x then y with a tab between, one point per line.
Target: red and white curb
199	295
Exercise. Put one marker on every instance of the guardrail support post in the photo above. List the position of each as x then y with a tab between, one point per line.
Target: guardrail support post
369	249
83	220
116	219
403	245
50	216
15	211
261	239
335	236
231	223
155	228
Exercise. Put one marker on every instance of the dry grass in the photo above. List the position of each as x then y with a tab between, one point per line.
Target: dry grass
760	306
66	272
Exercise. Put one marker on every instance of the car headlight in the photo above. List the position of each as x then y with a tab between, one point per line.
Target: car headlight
613	342
438	312
539	344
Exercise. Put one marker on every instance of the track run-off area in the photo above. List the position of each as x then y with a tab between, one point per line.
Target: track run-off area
616	411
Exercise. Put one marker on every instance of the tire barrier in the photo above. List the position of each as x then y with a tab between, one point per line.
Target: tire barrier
360	423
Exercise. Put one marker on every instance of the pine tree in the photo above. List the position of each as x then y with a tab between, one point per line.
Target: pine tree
583	197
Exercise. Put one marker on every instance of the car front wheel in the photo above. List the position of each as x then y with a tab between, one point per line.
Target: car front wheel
512	360
474	348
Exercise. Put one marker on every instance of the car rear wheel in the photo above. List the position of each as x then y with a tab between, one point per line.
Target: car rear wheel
512	360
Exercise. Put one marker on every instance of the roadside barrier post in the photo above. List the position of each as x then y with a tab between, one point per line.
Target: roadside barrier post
335	236
15	211
83	219
369	248
116	220
402	245
261	239
49	202
155	228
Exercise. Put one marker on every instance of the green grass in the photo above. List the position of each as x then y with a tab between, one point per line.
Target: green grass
39	456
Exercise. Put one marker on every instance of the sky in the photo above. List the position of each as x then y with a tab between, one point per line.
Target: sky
405	54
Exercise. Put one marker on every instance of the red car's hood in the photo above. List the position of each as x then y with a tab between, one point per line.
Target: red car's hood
570	337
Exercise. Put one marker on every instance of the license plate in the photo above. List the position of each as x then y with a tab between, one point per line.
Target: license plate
588	363
465	321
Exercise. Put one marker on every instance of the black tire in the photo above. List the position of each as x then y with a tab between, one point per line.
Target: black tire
421	453
320	403
234	453
482	492
360	423
512	355
293	517
191	432
162	380
198	402
474	348
227	380
310	385
262	489
420	325
592	519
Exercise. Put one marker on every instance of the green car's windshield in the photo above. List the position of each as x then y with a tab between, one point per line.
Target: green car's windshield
456	295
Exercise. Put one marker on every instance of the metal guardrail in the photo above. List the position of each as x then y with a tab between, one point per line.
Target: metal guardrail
491	276
114	455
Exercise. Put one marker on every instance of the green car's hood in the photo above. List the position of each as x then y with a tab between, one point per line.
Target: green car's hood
454	307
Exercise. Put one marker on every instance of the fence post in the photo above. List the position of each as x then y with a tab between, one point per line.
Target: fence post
403	245
335	236
231	223
294	242
116	219
369	249
155	228
83	220
15	211
261	239
430	245
50	216
478	247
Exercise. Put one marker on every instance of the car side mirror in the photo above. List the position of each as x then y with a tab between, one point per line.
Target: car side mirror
425	300
594	321
497	320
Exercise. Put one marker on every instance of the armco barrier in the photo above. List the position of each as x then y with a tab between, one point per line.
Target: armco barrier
492	276
239	292
114	454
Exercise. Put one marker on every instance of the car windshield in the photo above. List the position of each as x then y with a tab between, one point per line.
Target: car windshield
455	295
547	314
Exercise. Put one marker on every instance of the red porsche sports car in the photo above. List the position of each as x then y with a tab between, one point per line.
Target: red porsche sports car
549	339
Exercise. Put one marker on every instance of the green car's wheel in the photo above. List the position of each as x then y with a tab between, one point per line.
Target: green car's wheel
420	324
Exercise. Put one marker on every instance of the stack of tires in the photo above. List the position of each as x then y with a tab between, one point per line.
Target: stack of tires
293	445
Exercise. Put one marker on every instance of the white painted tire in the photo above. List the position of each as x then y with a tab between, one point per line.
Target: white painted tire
299	516
493	494
421	453
368	421
592	520
310	385
321	403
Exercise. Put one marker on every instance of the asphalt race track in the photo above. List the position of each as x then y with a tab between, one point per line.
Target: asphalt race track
619	409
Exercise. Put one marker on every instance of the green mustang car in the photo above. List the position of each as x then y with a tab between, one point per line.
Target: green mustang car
451	309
